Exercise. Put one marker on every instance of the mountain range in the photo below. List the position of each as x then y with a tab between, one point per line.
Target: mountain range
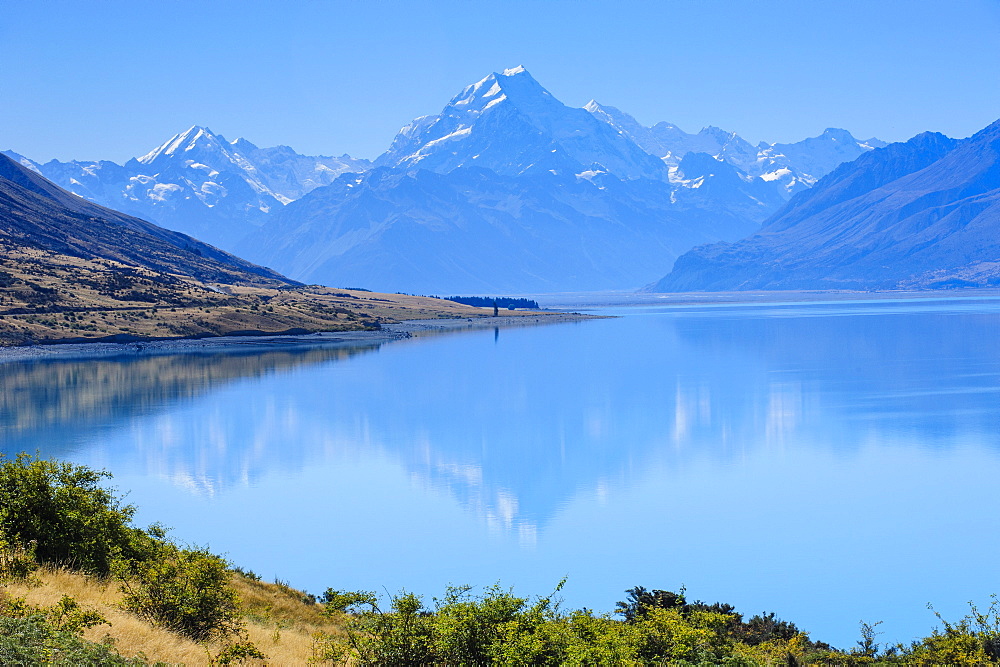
914	215
199	183
790	167
507	189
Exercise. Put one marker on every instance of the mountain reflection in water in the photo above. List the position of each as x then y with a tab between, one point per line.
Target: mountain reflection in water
62	406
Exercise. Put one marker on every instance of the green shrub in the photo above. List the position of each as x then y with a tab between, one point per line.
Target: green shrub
238	652
63	512
17	562
497	626
344	601
33	641
402	636
972	640
51	635
185	590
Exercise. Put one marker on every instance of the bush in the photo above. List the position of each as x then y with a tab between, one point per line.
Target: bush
51	635
185	590
61	511
33	641
17	562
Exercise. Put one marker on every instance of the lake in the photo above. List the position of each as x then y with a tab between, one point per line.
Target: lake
829	461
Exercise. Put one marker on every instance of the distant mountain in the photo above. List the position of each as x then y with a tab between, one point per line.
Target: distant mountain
35	213
509	190
475	231
199	183
790	167
510	124
919	214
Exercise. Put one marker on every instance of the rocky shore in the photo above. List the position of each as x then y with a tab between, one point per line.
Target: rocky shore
388	332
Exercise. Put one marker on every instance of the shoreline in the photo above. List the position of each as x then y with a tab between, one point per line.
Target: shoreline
210	344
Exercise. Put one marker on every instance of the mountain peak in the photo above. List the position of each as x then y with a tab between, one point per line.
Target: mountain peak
838	134
194	137
508	122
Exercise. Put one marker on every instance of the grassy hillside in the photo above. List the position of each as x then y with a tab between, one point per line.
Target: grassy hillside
49	296
283	623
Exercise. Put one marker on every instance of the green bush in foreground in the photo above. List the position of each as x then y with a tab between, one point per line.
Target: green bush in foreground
660	627
186	590
498	627
61	511
52	635
56	512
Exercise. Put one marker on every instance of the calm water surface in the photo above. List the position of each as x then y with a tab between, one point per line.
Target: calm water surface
831	462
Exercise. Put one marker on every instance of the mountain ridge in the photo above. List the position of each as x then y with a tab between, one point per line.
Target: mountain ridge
913	215
200	183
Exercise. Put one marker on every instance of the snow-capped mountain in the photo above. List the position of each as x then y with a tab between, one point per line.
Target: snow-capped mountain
507	189
199	183
510	190
37	214
914	215
789	167
510	124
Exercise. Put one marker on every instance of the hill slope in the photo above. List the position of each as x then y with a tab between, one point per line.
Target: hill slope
73	270
36	213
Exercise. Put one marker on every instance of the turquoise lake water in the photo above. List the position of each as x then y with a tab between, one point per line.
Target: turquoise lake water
830	462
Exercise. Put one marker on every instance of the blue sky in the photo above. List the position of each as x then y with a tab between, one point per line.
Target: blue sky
110	80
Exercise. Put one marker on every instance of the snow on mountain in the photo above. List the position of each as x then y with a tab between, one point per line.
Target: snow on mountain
22	160
790	168
803	163
507	189
509	123
199	183
279	171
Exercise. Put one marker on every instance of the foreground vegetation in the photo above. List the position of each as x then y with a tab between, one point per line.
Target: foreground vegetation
80	584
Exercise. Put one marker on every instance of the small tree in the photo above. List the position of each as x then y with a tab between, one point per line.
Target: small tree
185	590
62	512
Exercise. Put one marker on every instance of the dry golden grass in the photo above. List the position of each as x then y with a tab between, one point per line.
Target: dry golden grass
46	295
279	623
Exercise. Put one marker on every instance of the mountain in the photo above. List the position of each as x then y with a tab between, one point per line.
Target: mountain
473	231
35	213
790	167
510	124
199	183
508	190
913	215
801	164
73	271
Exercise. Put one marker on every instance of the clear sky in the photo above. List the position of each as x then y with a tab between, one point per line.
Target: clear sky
111	79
